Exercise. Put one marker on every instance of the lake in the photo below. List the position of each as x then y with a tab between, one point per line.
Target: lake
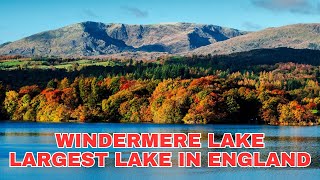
21	137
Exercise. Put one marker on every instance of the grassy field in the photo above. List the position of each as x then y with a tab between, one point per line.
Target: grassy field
43	64
11	64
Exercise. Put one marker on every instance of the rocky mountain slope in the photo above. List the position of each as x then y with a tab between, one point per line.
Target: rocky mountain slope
93	38
297	36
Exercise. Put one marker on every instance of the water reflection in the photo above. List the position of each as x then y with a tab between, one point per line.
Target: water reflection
23	136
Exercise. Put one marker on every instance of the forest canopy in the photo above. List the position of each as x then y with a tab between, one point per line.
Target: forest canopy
165	91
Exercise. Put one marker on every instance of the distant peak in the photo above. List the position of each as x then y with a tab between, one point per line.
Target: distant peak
165	23
85	23
90	38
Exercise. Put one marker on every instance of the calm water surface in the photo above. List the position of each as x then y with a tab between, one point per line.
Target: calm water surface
21	137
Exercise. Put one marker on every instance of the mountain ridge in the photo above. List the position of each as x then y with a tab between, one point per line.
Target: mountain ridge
95	38
153	40
297	36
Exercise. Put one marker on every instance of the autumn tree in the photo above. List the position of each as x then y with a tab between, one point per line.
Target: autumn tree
11	102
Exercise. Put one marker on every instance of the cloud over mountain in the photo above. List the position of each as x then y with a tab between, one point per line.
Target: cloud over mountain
293	6
136	11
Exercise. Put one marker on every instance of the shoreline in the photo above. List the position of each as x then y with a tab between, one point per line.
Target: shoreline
106	122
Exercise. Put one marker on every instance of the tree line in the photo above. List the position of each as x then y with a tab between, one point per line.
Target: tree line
284	94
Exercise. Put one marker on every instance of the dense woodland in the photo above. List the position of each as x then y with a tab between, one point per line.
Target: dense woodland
165	91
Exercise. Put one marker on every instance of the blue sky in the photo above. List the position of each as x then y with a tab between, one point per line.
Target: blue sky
21	18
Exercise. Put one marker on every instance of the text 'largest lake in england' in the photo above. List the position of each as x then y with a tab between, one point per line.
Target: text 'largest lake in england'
22	137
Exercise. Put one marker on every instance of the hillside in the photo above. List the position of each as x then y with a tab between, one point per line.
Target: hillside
298	36
93	38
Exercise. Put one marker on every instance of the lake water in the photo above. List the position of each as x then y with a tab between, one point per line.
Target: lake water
21	137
